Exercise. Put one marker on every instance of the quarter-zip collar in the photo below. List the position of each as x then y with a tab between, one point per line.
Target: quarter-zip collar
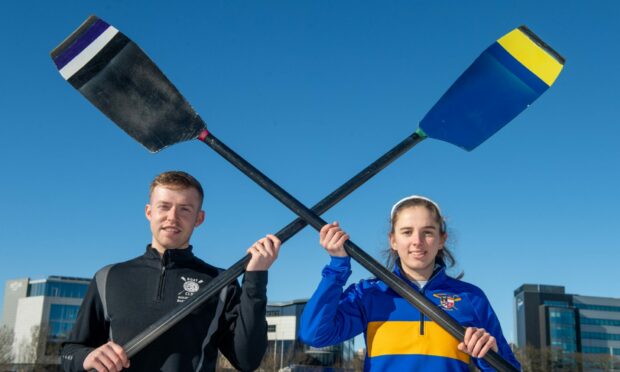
438	276
169	260
171	257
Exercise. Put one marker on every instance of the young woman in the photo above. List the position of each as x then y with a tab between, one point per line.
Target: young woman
398	336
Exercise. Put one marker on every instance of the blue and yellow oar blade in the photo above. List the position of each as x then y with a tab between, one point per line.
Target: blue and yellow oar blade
504	80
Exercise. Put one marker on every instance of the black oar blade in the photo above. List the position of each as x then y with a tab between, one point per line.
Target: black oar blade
504	80
113	73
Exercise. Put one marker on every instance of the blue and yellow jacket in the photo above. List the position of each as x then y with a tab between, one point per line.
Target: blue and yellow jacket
398	336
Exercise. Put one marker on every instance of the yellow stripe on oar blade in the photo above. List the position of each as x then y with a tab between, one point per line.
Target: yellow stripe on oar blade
531	55
504	80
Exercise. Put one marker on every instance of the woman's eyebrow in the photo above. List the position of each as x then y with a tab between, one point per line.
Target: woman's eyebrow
423	227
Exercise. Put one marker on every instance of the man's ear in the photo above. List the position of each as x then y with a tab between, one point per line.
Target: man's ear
147	212
200	219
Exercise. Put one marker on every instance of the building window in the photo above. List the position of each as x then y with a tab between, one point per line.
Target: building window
62	318
272	313
271	327
562	332
607	322
601	350
58	289
556	303
37	289
598	307
600	336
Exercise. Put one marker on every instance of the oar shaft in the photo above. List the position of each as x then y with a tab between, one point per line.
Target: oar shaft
141	340
418	300
352	184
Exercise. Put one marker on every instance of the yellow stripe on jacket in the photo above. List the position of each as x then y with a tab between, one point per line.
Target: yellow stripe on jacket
532	56
392	337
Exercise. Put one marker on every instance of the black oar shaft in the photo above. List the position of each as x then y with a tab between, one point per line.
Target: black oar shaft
418	300
352	184
145	337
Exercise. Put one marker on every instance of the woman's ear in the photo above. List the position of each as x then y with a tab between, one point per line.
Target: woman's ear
444	239
392	241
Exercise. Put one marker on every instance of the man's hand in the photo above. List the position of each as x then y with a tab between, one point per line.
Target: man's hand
477	342
264	252
109	357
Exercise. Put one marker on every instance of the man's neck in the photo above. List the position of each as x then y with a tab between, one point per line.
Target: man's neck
162	250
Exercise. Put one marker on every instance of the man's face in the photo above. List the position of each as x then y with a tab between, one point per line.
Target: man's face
173	214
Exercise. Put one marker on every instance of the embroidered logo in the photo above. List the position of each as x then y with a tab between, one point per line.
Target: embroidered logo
190	286
447	302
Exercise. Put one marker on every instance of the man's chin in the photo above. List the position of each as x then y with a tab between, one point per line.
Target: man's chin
169	244
175	247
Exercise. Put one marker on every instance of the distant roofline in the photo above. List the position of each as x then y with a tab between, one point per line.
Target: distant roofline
540	288
288	303
56	278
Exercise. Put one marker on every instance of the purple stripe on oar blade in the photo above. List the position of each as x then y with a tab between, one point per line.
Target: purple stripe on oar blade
83	41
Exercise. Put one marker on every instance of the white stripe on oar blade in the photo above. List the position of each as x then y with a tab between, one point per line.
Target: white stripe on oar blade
88	53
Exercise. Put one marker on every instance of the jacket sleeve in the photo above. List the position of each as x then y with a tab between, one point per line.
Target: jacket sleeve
488	321
332	316
244	340
89	331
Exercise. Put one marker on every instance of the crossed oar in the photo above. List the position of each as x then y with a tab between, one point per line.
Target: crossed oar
114	74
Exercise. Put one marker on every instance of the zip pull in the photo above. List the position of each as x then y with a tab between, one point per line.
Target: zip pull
162	276
421	290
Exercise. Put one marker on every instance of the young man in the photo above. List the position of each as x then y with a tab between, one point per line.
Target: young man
125	298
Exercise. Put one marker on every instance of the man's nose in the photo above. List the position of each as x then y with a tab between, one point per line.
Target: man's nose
172	213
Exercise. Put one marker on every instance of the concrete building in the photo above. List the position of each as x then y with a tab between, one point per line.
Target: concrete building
545	316
284	345
41	313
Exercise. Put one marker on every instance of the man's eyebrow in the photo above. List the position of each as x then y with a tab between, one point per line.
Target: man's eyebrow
166	203
163	202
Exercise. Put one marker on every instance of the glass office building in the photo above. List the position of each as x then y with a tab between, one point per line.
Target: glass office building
545	316
41	314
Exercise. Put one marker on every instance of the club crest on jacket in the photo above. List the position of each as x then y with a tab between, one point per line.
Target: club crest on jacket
190	286
447	302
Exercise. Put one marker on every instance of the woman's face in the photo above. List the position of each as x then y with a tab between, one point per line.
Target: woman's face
417	239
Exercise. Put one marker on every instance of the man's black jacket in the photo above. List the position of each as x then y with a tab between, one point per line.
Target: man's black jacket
125	298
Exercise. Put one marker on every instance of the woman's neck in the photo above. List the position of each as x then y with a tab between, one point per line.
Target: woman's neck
418	275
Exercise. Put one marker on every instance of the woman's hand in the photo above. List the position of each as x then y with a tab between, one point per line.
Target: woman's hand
332	238
477	342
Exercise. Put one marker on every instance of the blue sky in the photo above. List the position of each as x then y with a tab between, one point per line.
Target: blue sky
311	92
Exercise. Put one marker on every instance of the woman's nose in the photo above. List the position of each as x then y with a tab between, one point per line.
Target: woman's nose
416	238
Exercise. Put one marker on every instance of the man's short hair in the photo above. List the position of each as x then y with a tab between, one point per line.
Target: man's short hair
177	180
